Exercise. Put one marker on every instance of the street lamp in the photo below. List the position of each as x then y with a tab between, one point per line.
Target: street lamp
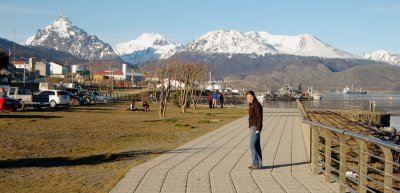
112	78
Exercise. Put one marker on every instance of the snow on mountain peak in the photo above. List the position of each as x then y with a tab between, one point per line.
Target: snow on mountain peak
262	43
230	42
64	36
383	56
148	46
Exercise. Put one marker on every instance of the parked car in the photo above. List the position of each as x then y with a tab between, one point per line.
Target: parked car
11	104
52	98
98	97
79	92
24	95
75	99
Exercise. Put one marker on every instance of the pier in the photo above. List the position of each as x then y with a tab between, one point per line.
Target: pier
218	161
299	155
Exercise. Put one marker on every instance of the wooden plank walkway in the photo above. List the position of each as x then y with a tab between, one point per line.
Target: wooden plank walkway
217	162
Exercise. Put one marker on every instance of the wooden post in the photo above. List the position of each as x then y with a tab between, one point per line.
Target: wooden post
341	105
342	166
315	150
388	179
362	105
328	155
307	135
362	166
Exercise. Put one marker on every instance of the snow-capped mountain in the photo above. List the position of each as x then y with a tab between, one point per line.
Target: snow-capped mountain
262	43
62	35
148	46
383	56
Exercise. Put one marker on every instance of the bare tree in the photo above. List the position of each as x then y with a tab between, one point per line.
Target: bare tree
160	72
190	75
197	82
182	77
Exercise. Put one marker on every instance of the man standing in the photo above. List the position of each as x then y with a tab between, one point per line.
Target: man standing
215	97
255	127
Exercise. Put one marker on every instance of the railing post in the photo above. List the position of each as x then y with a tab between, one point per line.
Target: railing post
315	150
388	179
362	105
342	165
362	166
328	155
341	105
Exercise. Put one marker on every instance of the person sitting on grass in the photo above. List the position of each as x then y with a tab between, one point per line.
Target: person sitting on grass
145	106
132	106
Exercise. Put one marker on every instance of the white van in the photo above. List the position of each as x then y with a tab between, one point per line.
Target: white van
52	98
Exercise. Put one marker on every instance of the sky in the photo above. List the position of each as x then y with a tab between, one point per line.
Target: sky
355	26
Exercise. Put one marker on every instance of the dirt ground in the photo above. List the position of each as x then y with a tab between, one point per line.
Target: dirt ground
90	148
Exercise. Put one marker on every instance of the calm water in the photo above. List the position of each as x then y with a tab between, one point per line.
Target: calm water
389	103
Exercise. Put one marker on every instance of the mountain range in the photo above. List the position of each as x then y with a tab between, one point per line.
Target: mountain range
383	56
255	56
147	47
62	35
40	52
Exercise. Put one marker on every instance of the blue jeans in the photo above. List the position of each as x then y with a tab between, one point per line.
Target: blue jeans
255	147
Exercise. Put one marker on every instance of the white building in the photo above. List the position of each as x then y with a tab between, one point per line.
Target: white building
215	86
57	70
173	83
75	68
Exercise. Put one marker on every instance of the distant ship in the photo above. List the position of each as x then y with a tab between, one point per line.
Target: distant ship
347	90
313	94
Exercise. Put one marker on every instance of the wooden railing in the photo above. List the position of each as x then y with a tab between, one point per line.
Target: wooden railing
357	162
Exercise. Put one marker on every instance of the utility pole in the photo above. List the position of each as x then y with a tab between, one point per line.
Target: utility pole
14	57
14	45
132	77
112	78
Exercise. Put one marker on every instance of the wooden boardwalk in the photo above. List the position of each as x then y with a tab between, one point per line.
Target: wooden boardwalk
217	162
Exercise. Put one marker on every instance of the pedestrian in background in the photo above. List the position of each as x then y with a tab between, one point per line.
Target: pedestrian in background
209	98
255	127
132	106
2	98
215	97
221	100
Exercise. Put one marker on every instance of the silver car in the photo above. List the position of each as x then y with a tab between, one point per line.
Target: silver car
98	97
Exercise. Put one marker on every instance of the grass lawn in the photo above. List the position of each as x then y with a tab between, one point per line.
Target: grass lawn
90	148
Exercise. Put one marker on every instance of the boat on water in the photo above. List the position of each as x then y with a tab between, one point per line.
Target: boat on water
313	94
347	90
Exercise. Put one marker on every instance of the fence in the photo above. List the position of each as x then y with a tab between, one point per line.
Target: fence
357	162
340	105
229	101
124	96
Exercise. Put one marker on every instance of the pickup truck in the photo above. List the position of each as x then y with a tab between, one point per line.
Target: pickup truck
24	95
52	98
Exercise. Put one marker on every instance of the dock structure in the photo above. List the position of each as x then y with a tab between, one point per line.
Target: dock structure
218	162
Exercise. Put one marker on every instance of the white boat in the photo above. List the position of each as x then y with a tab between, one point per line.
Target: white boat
314	94
347	90
317	96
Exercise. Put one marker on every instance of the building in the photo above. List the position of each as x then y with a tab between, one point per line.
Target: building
23	70
43	68
76	68
97	76
57	70
20	64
